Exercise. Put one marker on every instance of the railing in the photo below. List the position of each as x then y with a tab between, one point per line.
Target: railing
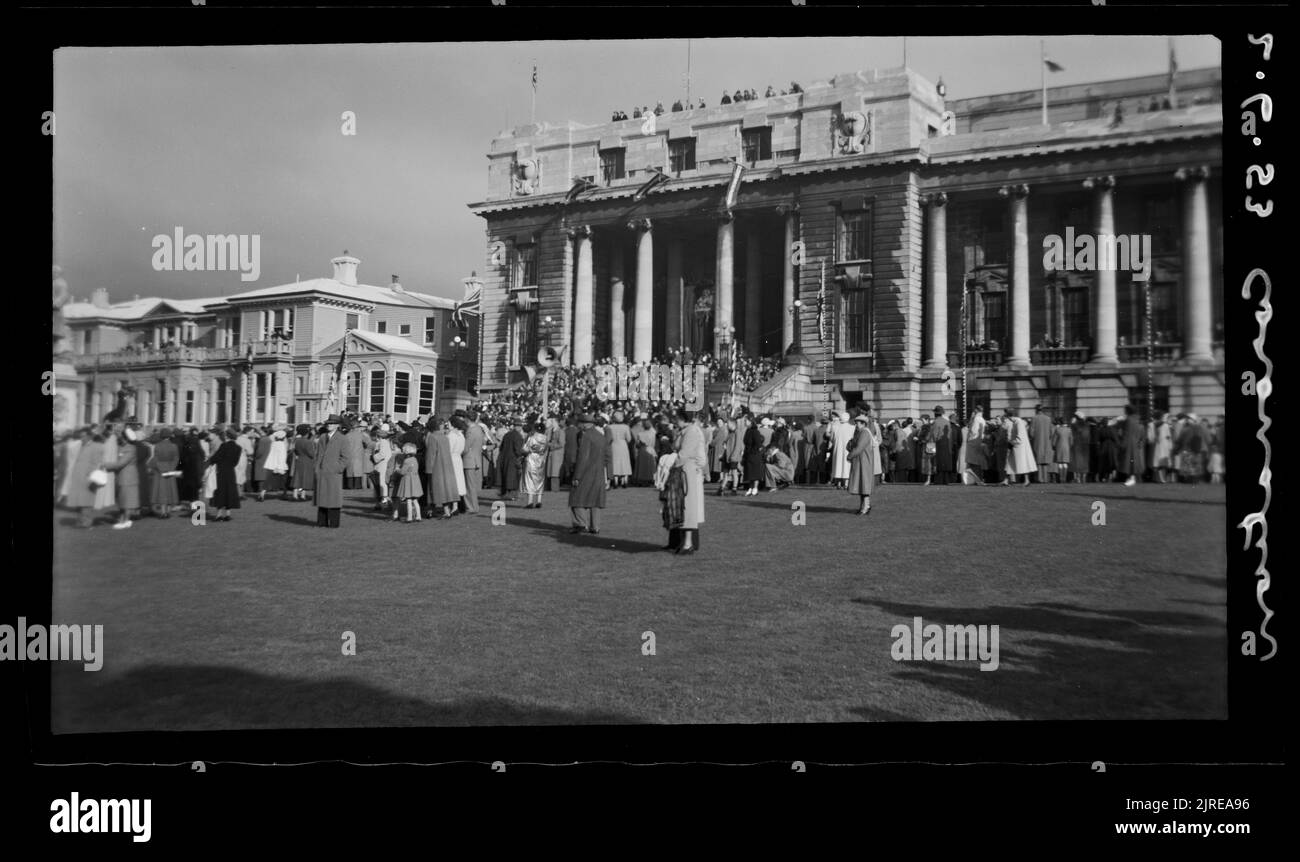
975	358
182	355
1161	352
1058	355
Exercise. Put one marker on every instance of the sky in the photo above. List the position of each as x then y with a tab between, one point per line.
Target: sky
248	139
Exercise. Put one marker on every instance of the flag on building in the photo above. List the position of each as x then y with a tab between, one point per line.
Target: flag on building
534	77
1173	70
331	402
1052	65
733	187
470	307
821	308
659	178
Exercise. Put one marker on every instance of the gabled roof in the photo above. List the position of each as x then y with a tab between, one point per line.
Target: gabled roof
363	293
383	343
137	309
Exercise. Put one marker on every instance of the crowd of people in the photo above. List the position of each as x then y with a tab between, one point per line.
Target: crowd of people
688	105
437	467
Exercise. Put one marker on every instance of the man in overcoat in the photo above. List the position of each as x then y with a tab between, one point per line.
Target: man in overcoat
332	461
587	496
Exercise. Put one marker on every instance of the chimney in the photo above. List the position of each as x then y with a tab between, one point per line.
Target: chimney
396	286
100	297
345	268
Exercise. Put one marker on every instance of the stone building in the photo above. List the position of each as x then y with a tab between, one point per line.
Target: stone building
268	355
887	241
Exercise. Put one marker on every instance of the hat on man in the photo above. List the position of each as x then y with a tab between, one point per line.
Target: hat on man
587	418
334	419
133	421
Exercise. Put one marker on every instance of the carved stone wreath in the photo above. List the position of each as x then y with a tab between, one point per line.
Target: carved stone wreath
853	133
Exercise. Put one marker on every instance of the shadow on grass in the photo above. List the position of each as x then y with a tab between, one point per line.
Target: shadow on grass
602	542
774	501
1116	491
168	697
299	520
1063	661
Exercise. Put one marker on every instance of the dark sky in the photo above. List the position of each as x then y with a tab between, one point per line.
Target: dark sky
248	140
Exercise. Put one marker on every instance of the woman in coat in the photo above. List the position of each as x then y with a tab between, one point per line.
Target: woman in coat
904	463
1162	449
1020	457
166	459
620	451
226	460
554	453
192	461
863	453
536	446
304	463
127	472
1080	447
357	444
1062	447
735	454
1002	449
643	470
975	461
82	496
1107	450
753	460
693	458
443	491
1133	454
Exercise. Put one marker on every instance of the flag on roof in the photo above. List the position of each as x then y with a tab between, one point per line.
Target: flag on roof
1052	65
471	306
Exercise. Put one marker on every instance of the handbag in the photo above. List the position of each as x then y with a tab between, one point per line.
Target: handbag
98	478
930	448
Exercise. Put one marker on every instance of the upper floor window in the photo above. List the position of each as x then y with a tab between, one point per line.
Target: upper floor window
681	155
526	266
756	144
381	327
404	330
855	235
353	321
430	330
611	164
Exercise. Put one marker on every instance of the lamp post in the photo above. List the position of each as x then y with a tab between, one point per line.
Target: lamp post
794	309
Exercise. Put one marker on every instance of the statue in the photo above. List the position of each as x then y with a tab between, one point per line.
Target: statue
853	133
528	176
703	320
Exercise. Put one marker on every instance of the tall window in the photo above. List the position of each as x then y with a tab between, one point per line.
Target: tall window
352	402
1059	402
855	319
377	381
756	144
426	394
855	235
523	337
995	318
526	266
430	330
1160	219
87	342
681	155
221	400
1074	316
189	406
259	396
401	393
234	331
611	164
1164	312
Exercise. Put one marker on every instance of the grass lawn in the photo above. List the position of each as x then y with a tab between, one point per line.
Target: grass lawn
238	625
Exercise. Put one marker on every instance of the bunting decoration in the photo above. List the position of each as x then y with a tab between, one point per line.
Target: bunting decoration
733	187
658	179
821	308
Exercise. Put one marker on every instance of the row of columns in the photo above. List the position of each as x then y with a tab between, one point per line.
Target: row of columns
584	322
1197	335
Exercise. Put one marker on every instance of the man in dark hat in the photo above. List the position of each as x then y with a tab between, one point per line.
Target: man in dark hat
1040	432
944	452
571	432
587	497
509	458
331	461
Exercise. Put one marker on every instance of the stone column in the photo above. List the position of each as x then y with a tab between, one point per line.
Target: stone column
791	214
1198	322
753	294
936	259
157	337
1104	312
583	308
1019	347
643	316
617	317
673	312
722	310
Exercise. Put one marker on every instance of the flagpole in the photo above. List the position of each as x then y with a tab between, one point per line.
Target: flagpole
1042	71
688	74
533	117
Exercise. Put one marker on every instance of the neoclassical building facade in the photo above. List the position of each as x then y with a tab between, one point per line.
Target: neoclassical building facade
889	242
269	355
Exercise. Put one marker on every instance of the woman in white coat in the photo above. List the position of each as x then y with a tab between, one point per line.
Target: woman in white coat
693	458
841	433
381	459
1020	457
456	441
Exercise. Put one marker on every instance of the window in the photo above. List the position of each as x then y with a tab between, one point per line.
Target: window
221	401
855	319
1074	317
260	395
189	406
526	266
1160	219
431	330
1164	313
855	235
611	164
299	385
426	394
757	144
681	155
377	381
401	393
381	327
86	342
352	384
404	329
995	318
448	384
523	338
353	321
1058	402
1137	396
